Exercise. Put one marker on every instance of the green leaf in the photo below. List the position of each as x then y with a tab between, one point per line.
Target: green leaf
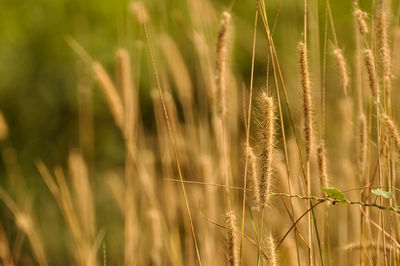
336	194
382	193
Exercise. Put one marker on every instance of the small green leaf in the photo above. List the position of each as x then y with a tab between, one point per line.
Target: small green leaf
336	194
382	193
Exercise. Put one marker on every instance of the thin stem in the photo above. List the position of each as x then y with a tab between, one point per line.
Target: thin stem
248	133
274	60
261	230
171	136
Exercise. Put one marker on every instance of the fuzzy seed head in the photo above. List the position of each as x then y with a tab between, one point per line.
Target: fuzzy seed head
341	67
270	248
139	11
254	176
363	145
393	131
232	244
384	51
307	99
362	25
324	181
221	63
370	64
267	140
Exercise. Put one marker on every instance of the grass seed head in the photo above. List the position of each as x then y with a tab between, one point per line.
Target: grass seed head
221	54
362	24
307	98
371	68
232	244
341	67
267	140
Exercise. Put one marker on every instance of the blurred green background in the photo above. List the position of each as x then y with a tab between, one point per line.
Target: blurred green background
40	72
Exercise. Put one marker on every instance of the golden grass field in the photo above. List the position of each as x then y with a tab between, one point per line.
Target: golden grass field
263	139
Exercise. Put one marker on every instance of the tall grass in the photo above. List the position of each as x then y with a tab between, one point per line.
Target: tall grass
203	156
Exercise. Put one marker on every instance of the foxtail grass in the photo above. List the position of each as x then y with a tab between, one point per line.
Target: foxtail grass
232	241
384	52
271	250
341	68
360	18
307	100
371	68
393	131
220	63
267	142
308	129
322	165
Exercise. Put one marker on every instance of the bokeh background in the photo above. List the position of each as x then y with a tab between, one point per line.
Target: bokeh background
40	72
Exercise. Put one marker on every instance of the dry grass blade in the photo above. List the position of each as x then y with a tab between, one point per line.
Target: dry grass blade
171	134
61	192
92	258
128	93
156	232
248	137
117	188
83	193
48	179
3	128
25	223
110	93
369	245
5	254
178	69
